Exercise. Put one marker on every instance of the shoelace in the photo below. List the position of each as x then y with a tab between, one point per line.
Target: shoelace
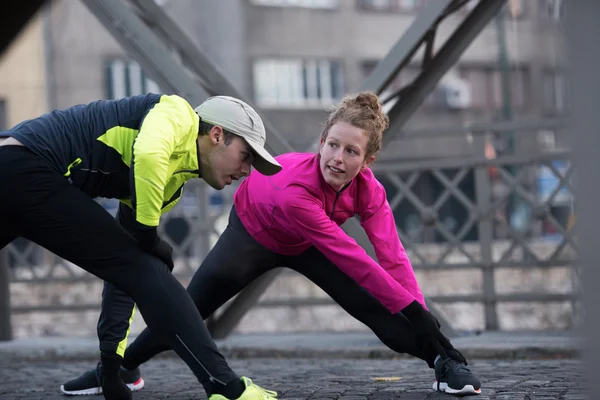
268	394
454	365
457	366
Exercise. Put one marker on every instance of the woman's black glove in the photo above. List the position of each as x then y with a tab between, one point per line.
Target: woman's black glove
427	331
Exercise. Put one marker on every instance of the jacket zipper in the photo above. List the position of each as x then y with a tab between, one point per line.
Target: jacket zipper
175	195
178	191
337	195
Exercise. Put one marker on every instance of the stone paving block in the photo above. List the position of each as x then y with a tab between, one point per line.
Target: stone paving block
311	379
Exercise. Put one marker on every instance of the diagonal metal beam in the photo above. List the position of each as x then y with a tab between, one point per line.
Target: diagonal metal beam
222	326
140	42
151	37
433	70
434	67
406	47
422	32
196	60
214	82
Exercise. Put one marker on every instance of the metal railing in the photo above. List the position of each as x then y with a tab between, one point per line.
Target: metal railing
510	212
480	213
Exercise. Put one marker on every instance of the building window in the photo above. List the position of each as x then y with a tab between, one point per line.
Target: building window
553	86
125	78
518	86
391	5
551	10
486	87
515	9
324	4
297	83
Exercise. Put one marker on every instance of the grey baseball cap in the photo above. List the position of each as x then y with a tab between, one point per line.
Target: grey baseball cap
239	118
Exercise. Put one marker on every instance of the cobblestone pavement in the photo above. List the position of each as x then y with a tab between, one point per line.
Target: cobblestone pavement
316	379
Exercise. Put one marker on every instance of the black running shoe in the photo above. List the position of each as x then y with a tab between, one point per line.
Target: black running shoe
90	382
454	377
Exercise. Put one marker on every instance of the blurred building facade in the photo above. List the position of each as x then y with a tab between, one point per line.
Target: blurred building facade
295	58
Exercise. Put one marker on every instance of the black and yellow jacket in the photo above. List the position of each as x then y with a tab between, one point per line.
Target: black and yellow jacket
140	150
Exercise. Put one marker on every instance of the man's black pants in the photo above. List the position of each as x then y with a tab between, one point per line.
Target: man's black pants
118	309
39	204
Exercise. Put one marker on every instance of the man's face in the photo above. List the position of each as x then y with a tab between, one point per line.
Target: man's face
226	162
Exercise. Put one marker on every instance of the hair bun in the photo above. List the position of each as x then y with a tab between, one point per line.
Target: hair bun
369	99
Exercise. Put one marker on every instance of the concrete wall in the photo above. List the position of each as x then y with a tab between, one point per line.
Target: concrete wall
81	46
218	28
234	33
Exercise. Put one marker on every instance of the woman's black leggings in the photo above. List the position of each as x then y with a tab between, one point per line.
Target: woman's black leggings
40	205
237	259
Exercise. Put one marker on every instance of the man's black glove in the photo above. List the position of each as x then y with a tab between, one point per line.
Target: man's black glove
427	331
164	251
150	242
146	236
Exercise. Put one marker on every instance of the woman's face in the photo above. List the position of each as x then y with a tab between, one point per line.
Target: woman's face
343	154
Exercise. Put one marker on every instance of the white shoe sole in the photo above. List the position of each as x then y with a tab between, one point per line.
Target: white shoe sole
468	389
134	387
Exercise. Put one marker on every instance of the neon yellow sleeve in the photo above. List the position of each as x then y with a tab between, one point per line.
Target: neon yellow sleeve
162	129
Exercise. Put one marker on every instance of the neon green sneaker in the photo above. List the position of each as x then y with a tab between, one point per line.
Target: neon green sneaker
252	392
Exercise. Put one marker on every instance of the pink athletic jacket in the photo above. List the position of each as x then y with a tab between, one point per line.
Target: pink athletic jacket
295	209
